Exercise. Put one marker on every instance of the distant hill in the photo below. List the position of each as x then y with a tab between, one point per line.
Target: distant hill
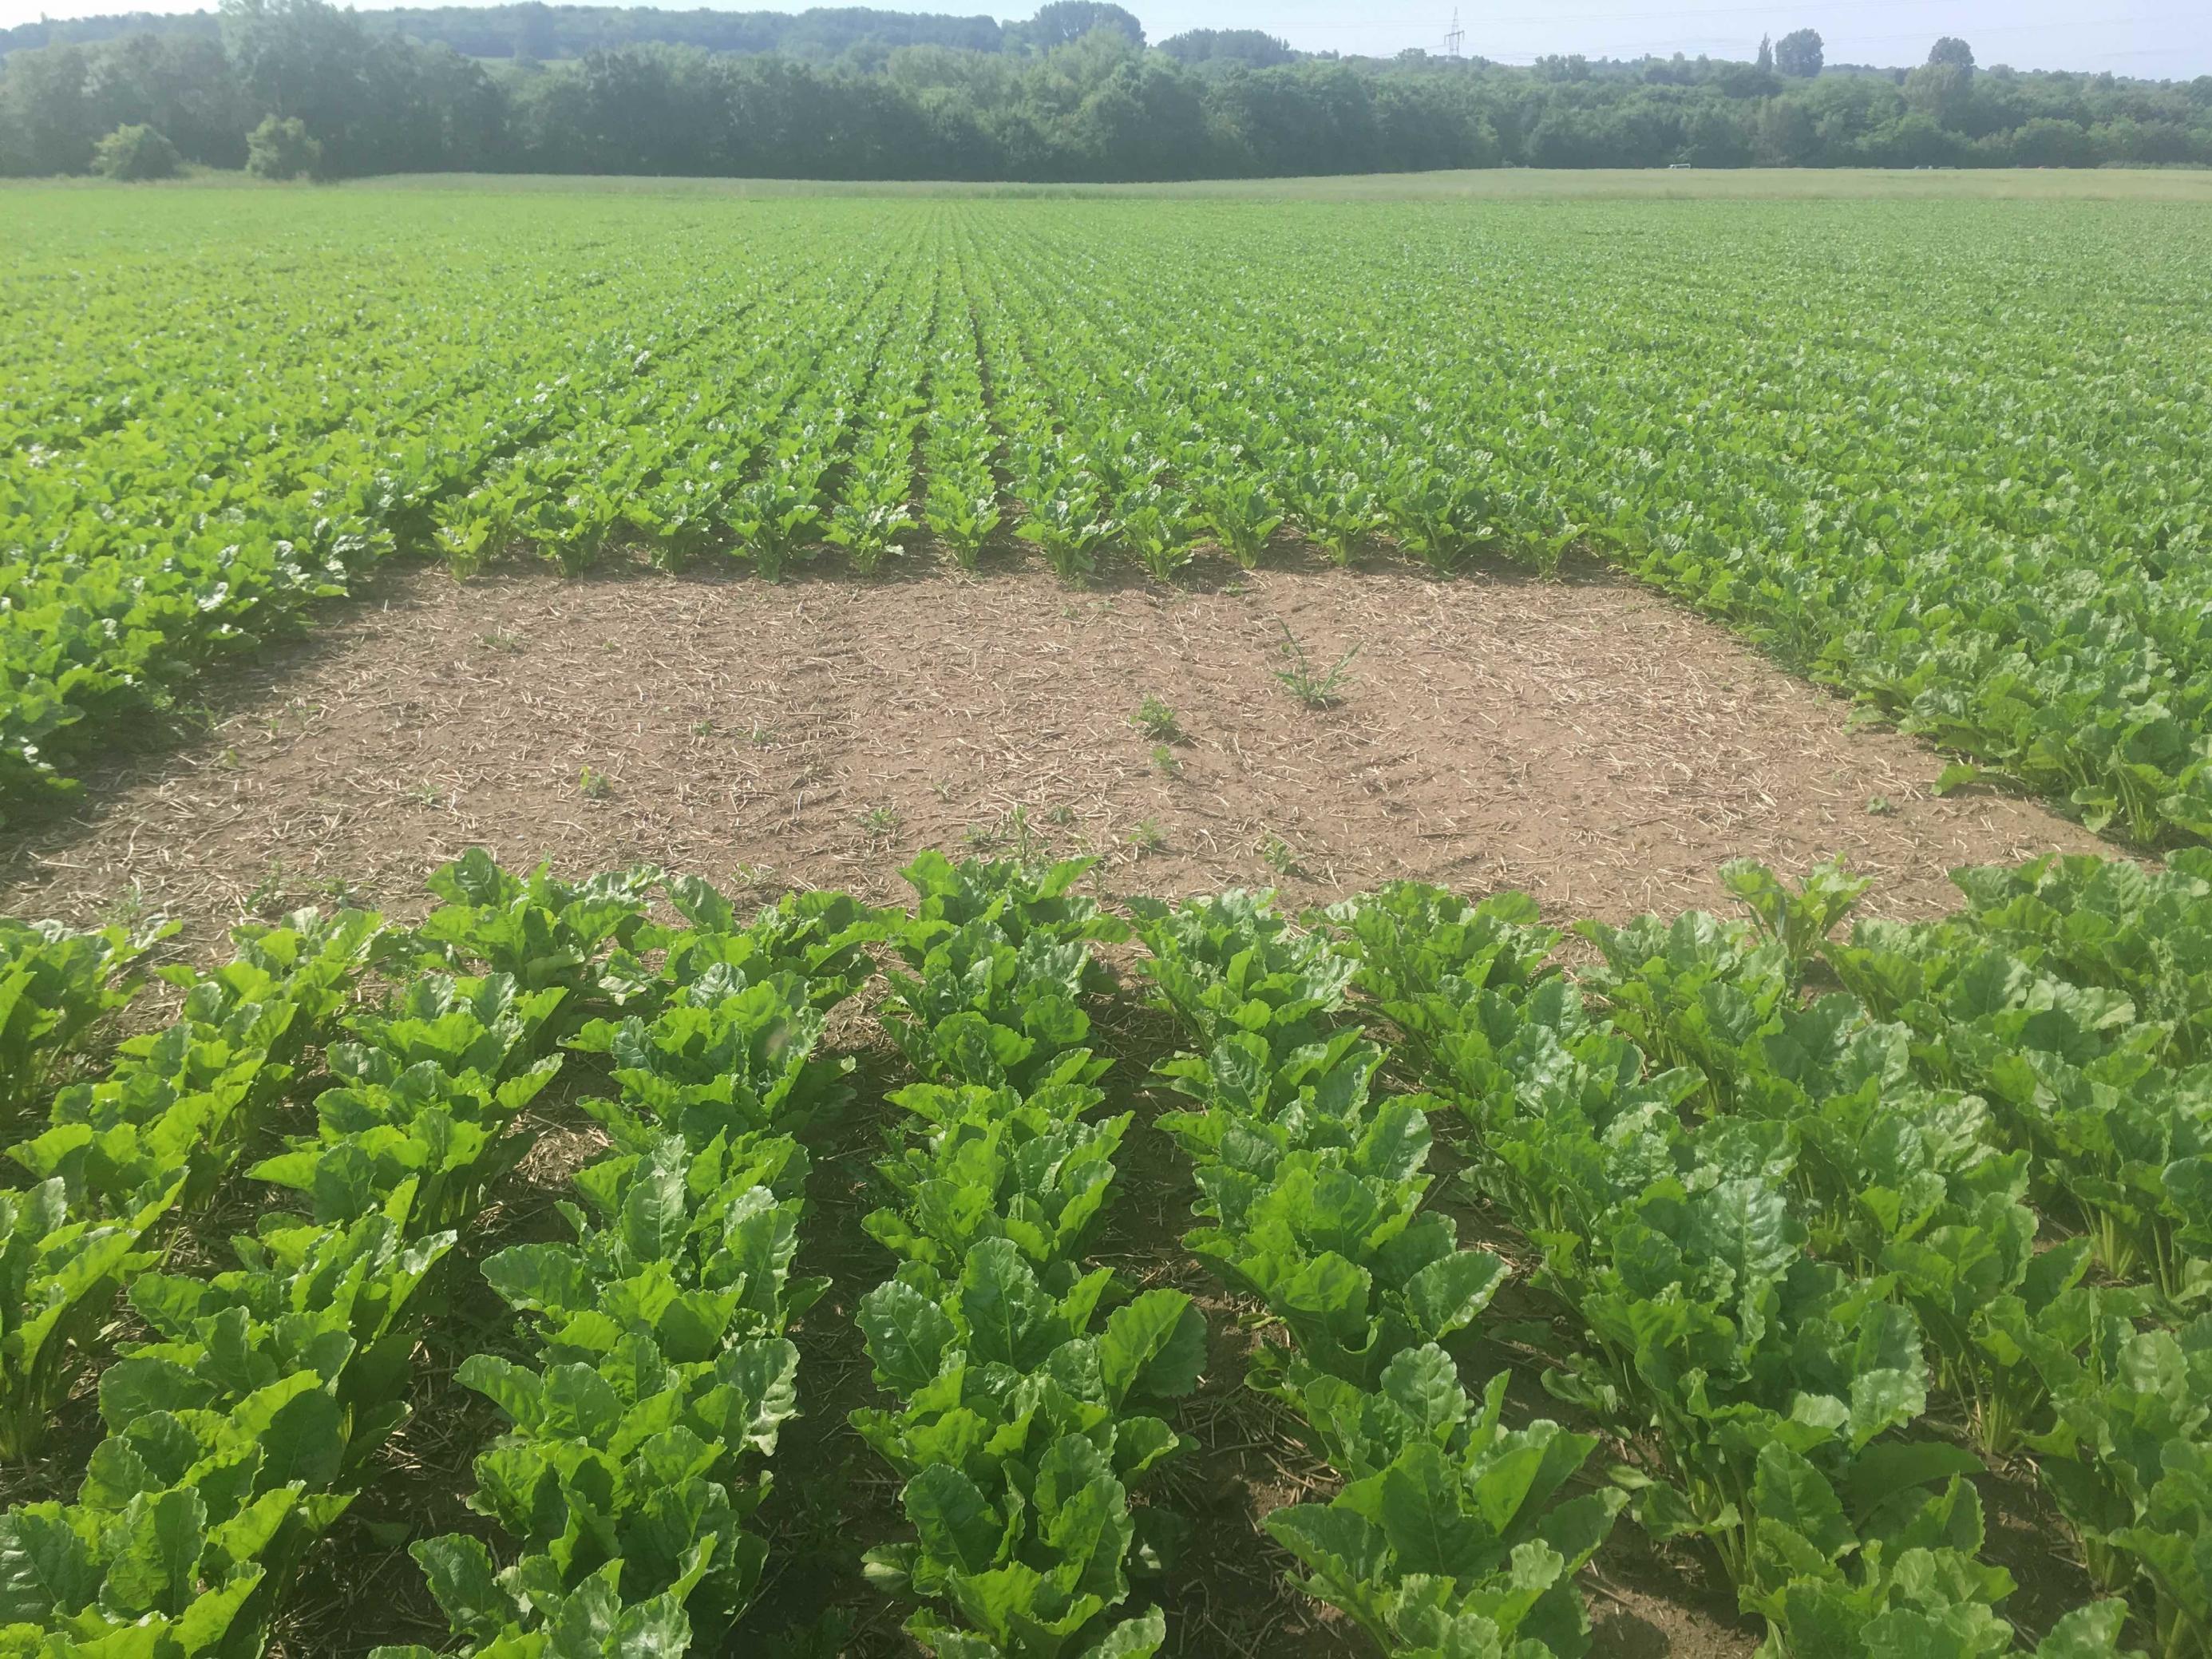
54	32
532	29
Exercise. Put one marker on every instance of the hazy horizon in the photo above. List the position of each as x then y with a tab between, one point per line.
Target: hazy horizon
2154	39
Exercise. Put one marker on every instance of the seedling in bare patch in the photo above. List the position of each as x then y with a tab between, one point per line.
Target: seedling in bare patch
500	640
1060	815
1164	758
881	823
702	728
128	910
593	785
1881	806
1012	833
1279	856
1157	721
1019	835
762	736
1148	837
1315	691
423	793
943	788
267	898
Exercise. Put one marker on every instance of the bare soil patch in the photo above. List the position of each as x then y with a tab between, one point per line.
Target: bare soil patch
1584	739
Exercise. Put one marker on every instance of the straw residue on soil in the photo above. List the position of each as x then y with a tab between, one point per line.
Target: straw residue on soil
1585	740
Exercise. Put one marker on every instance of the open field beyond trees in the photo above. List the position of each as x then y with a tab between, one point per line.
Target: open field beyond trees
1479	184
1459	921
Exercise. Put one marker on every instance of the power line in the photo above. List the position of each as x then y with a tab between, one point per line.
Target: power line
1825	6
1852	44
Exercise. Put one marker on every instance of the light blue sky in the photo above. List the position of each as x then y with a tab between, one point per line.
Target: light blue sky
2159	39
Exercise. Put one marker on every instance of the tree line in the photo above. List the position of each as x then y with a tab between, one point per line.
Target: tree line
1075	94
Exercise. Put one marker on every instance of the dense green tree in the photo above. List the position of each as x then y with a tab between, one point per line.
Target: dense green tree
1952	51
1913	140
133	154
1944	93
44	108
1785	136
1252	46
281	147
180	84
1799	53
1063	23
857	94
2045	142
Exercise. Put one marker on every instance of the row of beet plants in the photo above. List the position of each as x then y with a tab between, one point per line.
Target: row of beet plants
1026	1382
2012	1136
745	471
959	450
244	1427
1060	480
659	1371
873	479
1731	1215
1451	1534
115	1146
241	1431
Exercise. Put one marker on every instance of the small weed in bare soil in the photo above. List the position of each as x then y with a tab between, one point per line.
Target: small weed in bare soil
128	910
1278	855
1323	689
266	901
1164	758
339	890
1157	721
593	784
1011	834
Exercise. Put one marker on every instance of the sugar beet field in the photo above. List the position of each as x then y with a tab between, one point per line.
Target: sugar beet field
1085	927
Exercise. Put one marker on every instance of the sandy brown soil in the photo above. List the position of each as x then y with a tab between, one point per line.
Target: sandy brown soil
1585	740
